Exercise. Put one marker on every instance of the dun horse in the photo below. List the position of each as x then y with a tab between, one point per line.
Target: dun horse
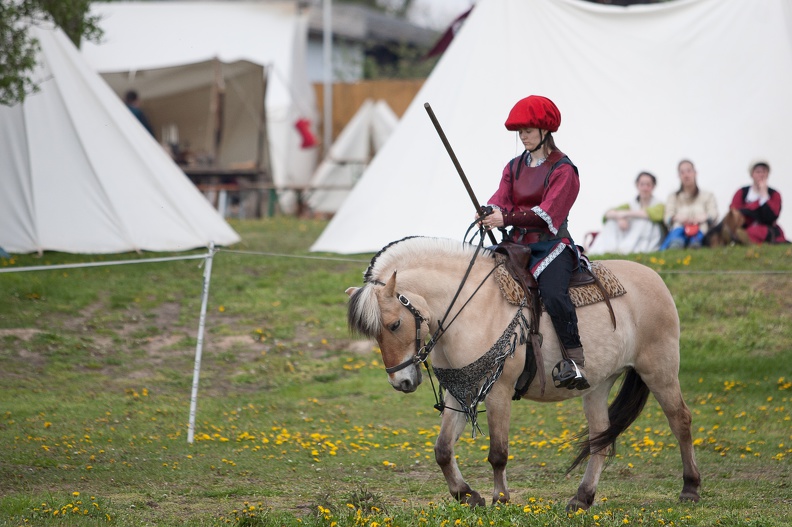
413	286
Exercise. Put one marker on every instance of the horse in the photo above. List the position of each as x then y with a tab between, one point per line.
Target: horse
414	288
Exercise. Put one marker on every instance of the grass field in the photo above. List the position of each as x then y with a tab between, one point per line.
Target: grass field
297	425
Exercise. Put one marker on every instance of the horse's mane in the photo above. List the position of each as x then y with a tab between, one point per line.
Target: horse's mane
413	250
363	315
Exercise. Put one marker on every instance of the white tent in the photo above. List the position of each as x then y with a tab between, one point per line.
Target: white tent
639	88
79	174
141	36
363	136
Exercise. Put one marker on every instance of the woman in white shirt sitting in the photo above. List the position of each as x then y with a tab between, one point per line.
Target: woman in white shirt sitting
633	227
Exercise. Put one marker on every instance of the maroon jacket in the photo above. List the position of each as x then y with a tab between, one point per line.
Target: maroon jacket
538	200
760	220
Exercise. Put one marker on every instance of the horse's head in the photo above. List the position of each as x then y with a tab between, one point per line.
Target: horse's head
399	325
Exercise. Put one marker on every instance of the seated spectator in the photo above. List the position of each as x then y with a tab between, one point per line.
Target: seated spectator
690	212
753	214
633	227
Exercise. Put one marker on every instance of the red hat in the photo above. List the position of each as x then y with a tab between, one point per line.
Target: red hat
534	111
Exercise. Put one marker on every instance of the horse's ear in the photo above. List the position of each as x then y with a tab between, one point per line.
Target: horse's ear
351	290
390	287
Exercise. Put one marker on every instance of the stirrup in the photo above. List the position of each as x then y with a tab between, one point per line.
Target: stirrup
566	374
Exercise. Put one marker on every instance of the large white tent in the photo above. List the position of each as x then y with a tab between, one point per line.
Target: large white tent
364	135
639	88
79	174
141	36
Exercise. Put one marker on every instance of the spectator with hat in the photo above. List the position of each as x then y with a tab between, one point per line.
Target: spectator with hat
753	214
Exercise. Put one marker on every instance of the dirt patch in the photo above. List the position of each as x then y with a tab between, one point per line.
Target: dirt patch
24	334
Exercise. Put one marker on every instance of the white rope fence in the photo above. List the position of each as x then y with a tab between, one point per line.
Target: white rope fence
208	258
207	276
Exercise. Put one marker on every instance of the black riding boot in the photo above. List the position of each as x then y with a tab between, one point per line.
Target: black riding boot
568	373
554	290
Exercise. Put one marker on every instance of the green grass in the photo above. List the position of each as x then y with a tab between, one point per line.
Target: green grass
297	424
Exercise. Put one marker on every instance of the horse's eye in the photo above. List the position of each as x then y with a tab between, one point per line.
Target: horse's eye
395	325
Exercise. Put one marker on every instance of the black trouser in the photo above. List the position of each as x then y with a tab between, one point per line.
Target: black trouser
554	291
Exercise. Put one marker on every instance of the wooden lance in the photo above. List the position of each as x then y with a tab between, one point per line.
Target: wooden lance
444	139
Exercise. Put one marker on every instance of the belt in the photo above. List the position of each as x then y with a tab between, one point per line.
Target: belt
524	236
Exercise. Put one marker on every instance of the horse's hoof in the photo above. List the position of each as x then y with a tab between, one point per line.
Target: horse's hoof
473	499
689	496
500	499
575	505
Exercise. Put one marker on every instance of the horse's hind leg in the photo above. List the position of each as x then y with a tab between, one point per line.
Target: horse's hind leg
451	428
669	394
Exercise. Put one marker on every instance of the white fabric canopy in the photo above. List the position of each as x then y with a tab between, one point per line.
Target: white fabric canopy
215	110
364	135
79	174
639	88
140	36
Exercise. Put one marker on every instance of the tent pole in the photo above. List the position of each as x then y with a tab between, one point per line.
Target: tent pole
327	36
263	158
199	344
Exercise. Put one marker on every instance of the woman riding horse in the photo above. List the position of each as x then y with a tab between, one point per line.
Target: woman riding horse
536	192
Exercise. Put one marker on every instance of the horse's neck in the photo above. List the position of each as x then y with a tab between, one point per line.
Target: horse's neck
439	280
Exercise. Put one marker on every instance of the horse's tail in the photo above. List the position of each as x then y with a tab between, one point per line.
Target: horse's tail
624	409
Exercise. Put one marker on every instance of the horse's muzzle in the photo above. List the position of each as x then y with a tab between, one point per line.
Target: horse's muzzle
406	380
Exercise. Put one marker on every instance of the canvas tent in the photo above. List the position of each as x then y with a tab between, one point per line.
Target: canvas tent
215	110
639	88
79	174
363	136
144	36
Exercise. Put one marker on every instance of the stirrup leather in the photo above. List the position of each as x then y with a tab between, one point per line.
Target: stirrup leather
566	374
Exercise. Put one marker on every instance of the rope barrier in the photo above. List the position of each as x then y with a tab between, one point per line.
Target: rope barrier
330	259
323	258
719	272
99	264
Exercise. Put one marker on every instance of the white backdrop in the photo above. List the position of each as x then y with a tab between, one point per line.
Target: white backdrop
639	88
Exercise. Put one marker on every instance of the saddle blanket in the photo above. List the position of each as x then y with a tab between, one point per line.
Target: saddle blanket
581	296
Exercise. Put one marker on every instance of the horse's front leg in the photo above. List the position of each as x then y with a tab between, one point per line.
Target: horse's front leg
595	406
451	428
498	416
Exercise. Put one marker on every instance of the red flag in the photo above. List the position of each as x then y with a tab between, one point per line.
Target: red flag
304	127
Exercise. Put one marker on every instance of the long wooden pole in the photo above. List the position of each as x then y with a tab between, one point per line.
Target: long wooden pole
458	167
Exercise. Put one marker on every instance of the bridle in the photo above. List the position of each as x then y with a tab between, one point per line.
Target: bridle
421	352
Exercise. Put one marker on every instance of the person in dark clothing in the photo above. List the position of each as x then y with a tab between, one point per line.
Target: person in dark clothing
759	206
133	103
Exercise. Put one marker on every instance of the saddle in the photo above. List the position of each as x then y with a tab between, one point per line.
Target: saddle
514	258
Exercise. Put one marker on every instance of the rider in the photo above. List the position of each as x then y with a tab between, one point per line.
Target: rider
536	192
